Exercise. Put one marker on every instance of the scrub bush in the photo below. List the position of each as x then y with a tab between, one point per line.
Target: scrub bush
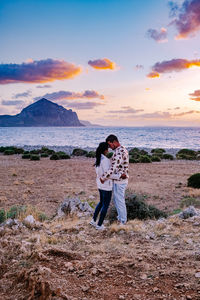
91	154
54	156
155	158
44	155
144	159
186	154
168	156
158	150
26	156
2	216
137	209
79	152
194	181
35	157
9	152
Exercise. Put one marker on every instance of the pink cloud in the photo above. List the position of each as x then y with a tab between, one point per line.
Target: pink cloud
188	20
41	71
63	95
175	65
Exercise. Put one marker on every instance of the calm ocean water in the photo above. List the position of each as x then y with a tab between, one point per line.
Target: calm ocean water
144	137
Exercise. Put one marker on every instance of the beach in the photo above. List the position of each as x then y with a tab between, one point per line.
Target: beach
46	183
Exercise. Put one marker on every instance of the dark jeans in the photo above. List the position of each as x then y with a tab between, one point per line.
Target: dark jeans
102	206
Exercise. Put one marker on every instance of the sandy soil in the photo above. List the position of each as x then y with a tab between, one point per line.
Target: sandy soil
46	183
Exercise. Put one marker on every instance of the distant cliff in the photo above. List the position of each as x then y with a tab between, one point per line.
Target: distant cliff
41	113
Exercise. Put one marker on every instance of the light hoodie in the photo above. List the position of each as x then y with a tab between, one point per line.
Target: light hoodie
104	166
119	165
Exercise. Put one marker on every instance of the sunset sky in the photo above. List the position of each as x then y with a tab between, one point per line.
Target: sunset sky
114	62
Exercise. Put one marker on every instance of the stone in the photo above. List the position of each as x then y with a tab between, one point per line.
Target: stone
29	221
197	275
72	206
188	213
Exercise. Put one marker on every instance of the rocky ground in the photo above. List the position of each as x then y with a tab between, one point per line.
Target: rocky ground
66	258
46	183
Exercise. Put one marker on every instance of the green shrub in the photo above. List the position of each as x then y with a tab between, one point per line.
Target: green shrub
144	159
2	149
137	209
35	151
168	156
185	202
26	156
2	216
158	150
133	160
35	157
79	152
91	154
14	212
64	156
42	217
44	155
186	154
19	150
109	155
143	152
133	151
55	156
9	152
194	181
26	152
155	158
175	211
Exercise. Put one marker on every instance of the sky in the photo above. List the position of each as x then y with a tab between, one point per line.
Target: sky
113	62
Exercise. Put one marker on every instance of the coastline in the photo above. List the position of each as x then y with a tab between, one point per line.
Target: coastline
69	149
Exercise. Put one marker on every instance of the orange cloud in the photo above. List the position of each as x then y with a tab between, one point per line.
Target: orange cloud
153	75
41	71
102	64
175	65
195	95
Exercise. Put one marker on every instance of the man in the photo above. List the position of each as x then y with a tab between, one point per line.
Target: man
119	165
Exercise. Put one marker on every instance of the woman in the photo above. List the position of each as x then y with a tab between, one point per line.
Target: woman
102	165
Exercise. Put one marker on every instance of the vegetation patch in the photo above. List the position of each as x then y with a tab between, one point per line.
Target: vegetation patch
155	158
137	209
167	156
91	154
26	156
188	201
79	152
186	154
35	157
194	181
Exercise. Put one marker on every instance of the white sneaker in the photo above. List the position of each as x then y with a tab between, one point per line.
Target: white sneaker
102	227
93	223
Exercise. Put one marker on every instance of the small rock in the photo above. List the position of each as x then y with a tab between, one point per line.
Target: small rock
143	276
197	275
155	289
188	213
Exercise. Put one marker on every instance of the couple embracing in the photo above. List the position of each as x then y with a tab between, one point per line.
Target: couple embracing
112	177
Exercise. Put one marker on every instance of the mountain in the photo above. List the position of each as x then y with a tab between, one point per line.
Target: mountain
42	113
88	124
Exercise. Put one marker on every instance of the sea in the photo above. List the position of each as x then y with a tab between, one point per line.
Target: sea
90	137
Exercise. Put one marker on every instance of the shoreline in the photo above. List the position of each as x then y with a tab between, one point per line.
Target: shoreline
69	149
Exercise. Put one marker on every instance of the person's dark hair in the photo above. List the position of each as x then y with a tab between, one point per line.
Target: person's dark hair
100	150
111	138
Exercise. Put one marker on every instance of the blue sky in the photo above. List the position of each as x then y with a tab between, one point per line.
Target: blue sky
75	32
